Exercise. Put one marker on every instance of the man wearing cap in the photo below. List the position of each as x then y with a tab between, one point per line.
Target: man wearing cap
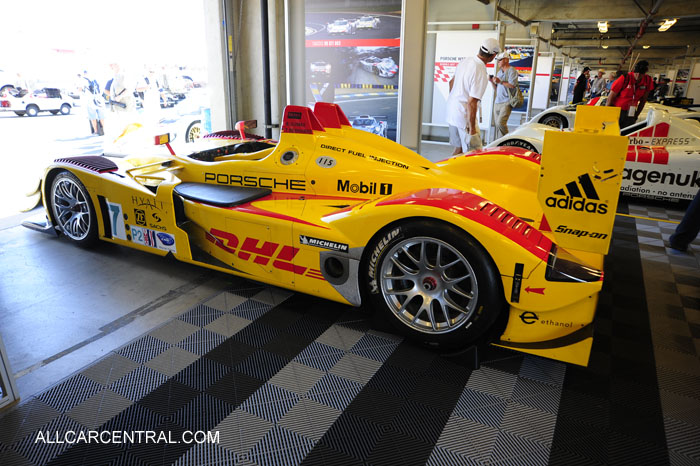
506	79
467	87
630	92
581	86
598	84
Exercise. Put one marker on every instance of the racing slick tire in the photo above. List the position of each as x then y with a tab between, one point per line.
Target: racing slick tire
555	121
433	283
65	109
519	143
194	131
72	209
32	110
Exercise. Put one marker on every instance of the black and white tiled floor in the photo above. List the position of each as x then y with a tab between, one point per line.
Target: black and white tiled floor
290	379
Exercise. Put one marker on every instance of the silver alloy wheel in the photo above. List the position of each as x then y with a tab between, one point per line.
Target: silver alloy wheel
429	285
70	208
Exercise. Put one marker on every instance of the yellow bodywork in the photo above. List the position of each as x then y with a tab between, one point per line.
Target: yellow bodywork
343	185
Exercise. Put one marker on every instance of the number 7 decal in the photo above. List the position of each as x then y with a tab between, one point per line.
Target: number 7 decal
116	220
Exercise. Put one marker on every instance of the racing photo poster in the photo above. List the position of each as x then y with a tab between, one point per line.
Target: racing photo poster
352	59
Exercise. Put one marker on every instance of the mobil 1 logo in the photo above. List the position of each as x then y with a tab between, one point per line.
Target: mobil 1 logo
383	189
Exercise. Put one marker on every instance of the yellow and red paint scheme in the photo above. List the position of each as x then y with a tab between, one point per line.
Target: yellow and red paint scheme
330	188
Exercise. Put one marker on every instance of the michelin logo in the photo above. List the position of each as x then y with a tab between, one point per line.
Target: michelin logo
322	243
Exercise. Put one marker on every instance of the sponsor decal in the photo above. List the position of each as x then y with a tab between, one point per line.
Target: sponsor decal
639	177
294	115
393	163
140	217
251	250
639	141
322	243
156	218
517	281
116	220
256	181
325	162
383	189
147	202
153	239
528	317
575	199
166	239
376	253
579	233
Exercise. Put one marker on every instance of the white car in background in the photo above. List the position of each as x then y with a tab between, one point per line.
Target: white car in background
341	26
562	116
367	22
47	99
663	156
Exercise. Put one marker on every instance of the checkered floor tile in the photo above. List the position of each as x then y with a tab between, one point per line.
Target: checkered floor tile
279	378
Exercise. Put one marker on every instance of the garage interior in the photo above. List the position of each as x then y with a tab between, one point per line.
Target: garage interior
114	339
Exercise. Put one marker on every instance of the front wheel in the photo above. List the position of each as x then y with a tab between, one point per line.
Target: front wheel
65	109
73	212
194	131
32	110
555	121
435	283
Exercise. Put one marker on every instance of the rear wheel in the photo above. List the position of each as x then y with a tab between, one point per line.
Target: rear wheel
73	212
32	110
65	109
435	283
519	143
194	131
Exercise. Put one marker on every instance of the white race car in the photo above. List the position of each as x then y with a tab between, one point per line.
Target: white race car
663	157
341	26
562	116
370	124
367	22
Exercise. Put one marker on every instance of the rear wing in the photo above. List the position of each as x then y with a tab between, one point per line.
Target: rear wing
580	177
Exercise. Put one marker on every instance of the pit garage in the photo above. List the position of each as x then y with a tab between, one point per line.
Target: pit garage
288	265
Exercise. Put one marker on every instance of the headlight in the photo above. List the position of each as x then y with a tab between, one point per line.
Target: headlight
562	266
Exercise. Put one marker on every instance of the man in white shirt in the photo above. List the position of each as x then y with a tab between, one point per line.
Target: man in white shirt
598	84
467	87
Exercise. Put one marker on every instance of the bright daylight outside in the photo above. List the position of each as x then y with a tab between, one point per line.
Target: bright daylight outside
80	77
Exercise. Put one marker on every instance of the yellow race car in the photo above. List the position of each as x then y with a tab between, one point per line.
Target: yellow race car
452	253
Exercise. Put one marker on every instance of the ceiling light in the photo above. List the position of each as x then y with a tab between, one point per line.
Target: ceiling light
604	46
666	24
603	26
646	46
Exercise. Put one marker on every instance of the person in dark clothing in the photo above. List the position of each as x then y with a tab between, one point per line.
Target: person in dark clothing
581	86
688	229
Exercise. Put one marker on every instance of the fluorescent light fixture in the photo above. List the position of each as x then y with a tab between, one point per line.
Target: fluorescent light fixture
646	46
603	26
666	24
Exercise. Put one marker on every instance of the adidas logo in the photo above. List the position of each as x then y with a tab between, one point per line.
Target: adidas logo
580	195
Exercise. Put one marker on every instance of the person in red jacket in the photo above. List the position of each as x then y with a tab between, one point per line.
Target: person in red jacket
630	92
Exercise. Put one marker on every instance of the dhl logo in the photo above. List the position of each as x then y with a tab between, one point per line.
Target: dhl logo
281	257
